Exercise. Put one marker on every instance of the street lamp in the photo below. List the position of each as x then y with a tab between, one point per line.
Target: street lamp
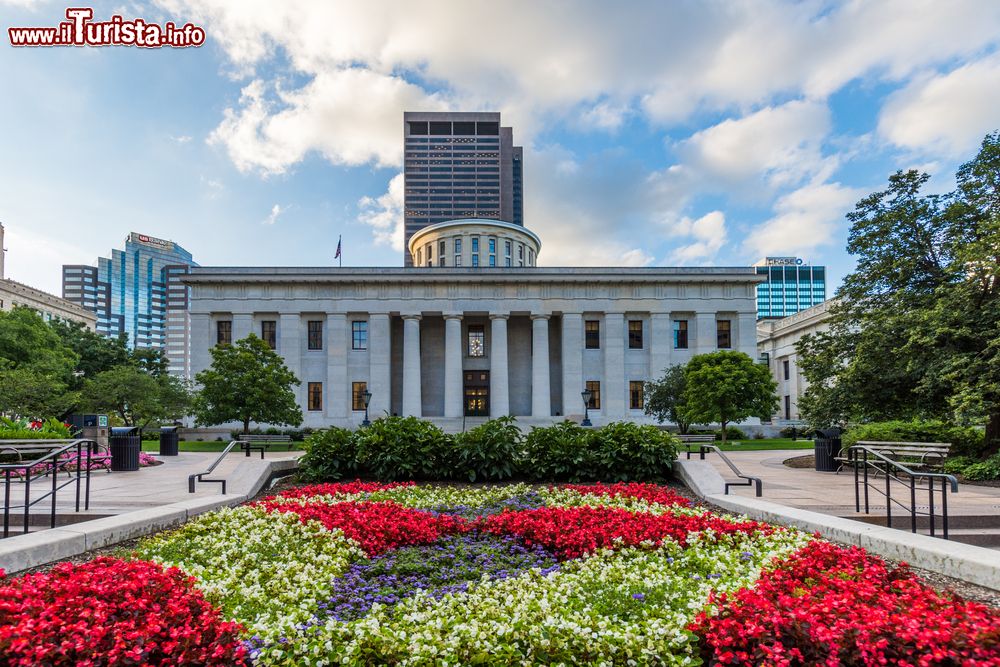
368	399
587	395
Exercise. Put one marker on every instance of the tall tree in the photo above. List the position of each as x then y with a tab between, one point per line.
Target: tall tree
916	332
95	353
136	397
247	382
35	367
726	387
665	398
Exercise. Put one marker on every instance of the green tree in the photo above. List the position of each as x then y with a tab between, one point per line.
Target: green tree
136	397
665	397
247	382
36	369
726	387
95	353
916	332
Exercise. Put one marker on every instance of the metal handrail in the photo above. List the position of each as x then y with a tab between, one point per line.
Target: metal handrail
200	476
891	469
749	480
51	461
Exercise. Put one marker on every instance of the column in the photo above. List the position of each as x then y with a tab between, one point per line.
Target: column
290	348
202	340
572	363
661	344
411	366
707	338
453	365
541	391
243	326
613	387
337	387
379	360
747	335
499	375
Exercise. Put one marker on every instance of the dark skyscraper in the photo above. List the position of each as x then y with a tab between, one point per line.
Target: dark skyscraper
459	165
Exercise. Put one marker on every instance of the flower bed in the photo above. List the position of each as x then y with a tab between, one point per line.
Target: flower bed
365	573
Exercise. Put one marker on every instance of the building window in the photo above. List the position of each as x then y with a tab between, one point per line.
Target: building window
592	334
477	341
224	332
315	334
594	387
359	335
635	334
493	260
724	334
358	390
506	253
475	259
475	244
531	257
635	397
458	246
788	407
785	368
429	251
520	254
458	260
442	249
315	396
269	333
680	334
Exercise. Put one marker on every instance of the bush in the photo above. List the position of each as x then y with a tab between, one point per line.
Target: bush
560	452
629	452
804	432
402	448
966	441
488	452
732	433
53	429
331	454
979	471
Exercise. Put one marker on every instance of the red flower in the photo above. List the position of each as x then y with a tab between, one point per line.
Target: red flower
571	532
829	605
648	492
113	613
338	489
376	526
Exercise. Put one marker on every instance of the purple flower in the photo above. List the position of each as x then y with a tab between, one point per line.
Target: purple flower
638	596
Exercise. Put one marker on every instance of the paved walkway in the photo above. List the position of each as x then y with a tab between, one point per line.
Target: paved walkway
832	493
154	486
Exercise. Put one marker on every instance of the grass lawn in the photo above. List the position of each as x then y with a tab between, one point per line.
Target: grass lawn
194	446
768	443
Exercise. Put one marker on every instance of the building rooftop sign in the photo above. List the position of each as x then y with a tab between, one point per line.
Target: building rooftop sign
780	261
151	241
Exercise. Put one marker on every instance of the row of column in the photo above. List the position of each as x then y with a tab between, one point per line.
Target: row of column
454	400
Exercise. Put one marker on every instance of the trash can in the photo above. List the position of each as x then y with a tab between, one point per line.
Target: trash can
169	437
125	444
827	446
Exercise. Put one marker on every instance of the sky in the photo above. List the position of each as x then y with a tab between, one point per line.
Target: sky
655	133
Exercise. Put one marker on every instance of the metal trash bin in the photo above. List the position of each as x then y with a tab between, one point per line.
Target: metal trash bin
125	443
169	439
827	446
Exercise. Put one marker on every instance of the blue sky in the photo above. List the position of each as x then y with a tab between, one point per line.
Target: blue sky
682	133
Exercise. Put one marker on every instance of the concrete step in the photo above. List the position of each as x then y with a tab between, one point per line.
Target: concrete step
980	537
955	521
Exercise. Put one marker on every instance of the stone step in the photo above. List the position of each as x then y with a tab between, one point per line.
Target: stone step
902	521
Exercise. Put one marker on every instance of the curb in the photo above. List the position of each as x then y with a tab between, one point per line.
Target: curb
27	551
973	564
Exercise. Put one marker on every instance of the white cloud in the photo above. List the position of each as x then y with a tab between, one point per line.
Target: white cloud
946	114
709	232
776	147
803	220
182	139
272	217
385	214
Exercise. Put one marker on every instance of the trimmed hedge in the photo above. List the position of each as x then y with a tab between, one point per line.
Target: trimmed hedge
404	448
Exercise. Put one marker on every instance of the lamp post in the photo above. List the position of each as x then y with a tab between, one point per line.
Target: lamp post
368	399
587	395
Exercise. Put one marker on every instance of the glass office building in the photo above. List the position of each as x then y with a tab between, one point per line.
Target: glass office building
138	292
459	165
791	286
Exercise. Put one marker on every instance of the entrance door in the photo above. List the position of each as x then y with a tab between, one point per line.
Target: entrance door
477	393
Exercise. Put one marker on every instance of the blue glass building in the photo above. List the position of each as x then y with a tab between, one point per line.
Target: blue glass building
137	291
791	286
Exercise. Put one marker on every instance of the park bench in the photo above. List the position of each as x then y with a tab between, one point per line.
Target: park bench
262	442
699	441
914	454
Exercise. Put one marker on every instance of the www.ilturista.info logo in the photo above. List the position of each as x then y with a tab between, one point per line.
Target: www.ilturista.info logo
81	30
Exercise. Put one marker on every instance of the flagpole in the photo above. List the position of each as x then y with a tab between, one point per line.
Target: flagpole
340	254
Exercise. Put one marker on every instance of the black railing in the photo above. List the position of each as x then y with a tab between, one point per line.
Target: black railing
908	483
49	461
748	480
200	476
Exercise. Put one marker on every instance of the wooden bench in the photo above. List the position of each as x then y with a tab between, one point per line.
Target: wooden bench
913	454
688	441
262	442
